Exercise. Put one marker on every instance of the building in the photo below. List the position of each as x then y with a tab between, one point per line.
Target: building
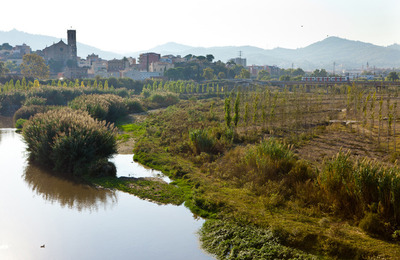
145	59
19	51
160	67
117	65
139	75
61	52
239	61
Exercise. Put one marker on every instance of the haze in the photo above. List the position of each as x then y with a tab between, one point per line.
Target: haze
124	26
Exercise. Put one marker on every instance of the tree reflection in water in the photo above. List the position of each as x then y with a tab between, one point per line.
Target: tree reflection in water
67	192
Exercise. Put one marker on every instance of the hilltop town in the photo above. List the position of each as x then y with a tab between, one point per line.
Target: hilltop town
63	62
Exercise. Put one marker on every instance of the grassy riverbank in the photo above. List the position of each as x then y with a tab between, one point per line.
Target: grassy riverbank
229	181
153	189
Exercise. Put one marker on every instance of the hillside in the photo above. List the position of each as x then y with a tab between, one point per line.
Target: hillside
346	54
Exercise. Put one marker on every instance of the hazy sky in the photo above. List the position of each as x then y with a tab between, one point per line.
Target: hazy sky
129	25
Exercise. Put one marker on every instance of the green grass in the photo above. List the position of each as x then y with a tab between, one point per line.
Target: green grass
153	190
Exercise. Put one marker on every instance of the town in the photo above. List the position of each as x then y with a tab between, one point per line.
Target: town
63	63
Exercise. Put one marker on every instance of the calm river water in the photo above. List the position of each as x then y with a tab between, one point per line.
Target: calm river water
73	221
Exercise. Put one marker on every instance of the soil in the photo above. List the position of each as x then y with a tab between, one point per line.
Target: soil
6	122
329	143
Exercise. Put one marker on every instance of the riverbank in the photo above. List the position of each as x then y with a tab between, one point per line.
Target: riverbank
6	122
290	208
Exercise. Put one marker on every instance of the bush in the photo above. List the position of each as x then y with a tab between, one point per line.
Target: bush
39	101
202	142
20	123
372	224
353	188
134	105
103	107
163	100
26	112
68	141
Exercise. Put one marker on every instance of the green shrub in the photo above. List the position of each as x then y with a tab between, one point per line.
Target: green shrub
338	183
134	105
26	112
270	160
103	107
202	142
372	224
353	188
20	122
39	101
163	100
68	140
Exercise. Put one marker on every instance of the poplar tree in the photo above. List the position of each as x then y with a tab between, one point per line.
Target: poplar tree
227	109
246	112
236	109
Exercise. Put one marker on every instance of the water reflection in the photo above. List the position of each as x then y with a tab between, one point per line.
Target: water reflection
67	192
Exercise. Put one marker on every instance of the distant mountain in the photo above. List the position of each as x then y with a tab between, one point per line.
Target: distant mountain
346	54
39	42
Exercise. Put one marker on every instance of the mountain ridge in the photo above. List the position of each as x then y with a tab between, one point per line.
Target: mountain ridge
345	54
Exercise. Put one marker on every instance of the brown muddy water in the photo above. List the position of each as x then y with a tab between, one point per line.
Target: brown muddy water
46	217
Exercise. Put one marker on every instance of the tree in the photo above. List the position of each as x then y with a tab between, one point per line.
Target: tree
34	66
6	46
221	75
210	57
263	75
236	110
208	73
319	73
227	109
393	76
284	78
3	69
244	74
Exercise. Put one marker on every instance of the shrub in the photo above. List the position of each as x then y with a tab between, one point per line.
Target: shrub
39	101
372	224
270	160
337	181
163	100
103	107
20	122
26	112
69	141
134	105
201	141
353	188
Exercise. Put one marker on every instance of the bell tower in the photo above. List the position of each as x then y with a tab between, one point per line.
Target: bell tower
72	44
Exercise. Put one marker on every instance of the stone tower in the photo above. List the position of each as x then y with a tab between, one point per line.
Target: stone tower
72	44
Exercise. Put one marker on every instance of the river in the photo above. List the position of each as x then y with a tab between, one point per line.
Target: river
46	217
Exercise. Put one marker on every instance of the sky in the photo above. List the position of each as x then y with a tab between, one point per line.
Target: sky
124	26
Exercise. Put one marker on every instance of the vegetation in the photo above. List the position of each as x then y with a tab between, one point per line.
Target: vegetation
263	164
71	142
34	66
234	241
154	190
256	173
102	107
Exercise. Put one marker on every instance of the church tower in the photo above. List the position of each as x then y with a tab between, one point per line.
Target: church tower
72	44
